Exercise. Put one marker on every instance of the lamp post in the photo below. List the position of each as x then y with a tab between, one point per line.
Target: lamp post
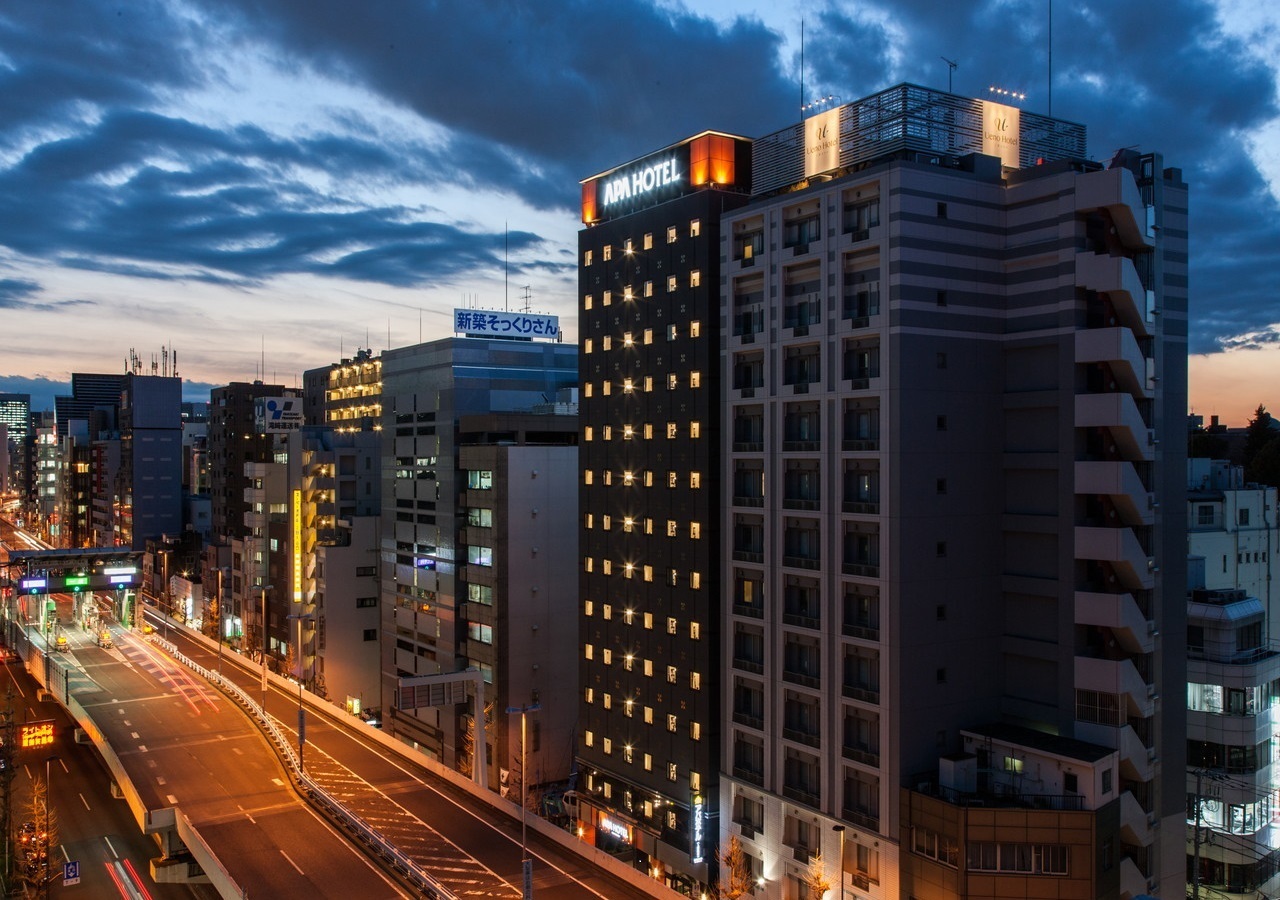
526	864
264	589
302	721
218	624
839	829
45	836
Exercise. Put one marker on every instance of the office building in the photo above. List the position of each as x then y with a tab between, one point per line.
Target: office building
1233	683
235	439
149	502
15	414
650	494
346	395
424	555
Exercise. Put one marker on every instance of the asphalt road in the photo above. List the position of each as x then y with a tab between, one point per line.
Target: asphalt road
470	848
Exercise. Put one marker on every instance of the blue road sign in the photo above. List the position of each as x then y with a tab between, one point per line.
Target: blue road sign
71	872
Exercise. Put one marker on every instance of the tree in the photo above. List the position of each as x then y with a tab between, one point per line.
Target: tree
1266	464
735	870
1257	435
815	879
37	861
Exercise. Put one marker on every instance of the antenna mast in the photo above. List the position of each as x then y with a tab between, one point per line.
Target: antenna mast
952	65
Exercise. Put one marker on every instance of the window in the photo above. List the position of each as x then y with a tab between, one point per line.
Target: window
671	528
695	530
606	343
695	429
672	675
673	381
648	339
586	301
606	388
672	626
366	602
371	634
672	332
695	480
942	423
942	359
672	431
586	389
479	480
648	241
671	283
606	252
648	288
608	301
942	214
648	426
587	257
695	581
479	556
695	227
1242	516
695	330
588	477
671	234
695	278
695	631
673	479
695	379
695	681
587	346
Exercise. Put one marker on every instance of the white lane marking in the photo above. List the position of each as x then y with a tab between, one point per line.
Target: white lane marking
292	863
110	846
85	802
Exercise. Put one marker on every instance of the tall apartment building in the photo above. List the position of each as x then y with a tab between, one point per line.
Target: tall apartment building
1233	683
346	395
650	496
15	413
150	479
521	472
954	392
90	392
234	440
424	558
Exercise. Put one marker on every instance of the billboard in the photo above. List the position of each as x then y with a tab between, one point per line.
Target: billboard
1002	132
276	415
822	142
490	323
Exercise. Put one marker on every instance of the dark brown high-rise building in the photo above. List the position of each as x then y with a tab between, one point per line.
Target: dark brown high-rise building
650	495
233	441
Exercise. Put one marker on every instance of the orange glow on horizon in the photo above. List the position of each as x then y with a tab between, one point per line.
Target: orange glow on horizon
1230	385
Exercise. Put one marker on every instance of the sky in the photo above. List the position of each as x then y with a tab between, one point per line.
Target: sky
264	186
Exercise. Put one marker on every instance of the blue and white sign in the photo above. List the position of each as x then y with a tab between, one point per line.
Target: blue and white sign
71	872
276	415
487	323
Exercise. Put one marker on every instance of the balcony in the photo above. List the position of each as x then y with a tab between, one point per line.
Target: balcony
751	776
802	562
1118	413
860	755
862	632
739	500
803	794
749	720
1119	480
751	556
756	667
1135	822
1116	676
804	679
862	507
1116	191
864	570
861	692
748	610
1120	613
1121	548
1118	348
1117	277
867	819
801	736
861	445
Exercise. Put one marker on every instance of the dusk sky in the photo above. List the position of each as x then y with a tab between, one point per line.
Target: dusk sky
293	179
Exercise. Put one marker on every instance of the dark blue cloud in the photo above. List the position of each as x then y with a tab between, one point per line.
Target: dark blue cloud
15	291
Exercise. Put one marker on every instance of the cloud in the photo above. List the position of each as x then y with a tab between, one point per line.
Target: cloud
15	291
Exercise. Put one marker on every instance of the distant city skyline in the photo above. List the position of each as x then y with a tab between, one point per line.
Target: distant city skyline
291	181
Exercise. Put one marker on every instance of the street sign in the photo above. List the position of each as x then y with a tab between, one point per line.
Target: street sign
71	872
36	734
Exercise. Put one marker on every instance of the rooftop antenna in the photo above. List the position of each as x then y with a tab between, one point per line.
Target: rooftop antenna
527	296
952	65
419	324
263	361
506	265
801	68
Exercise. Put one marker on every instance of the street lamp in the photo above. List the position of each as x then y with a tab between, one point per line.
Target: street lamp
302	722
264	588
526	864
839	829
45	836
218	625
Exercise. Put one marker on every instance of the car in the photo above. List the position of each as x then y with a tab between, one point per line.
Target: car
61	644
104	639
148	628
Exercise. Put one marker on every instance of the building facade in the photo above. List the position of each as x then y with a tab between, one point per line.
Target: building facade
650	494
426	388
1233	683
234	439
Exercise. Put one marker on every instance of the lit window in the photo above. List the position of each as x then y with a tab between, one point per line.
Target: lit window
648	715
607	387
672	674
648	667
588	477
628	615
695	631
672	722
591	523
628	525
606	700
695	278
586	257
648	473
608	433
695	732
695	681
672	332
606	656
628	708
607	298
628	569
673	577
648	573
672	773
695	429
695	227
628	661
673	626
671	283
626	753
606	522
671	234
648	288
695	480
648	383
606	343
626	245
672	381
672	479
671	528
648	762
695	329
627	434
586	389
648	429
586	302
589	564
648	241
588	607
695	379
671	431
608	476
607	746
590	695
606	252
626	293
589	738
695	530
648	525
589	652
648	621
648	336
695	580
627	342
587	346
628	478
606	566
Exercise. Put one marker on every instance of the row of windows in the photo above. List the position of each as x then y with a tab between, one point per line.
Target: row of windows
646	290
628	709
646	666
629	432
629	616
628	246
629	525
628	385
628	478
628	755
630	570
629	338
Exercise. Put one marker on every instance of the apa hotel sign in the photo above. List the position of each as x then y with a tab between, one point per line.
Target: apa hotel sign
641	180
